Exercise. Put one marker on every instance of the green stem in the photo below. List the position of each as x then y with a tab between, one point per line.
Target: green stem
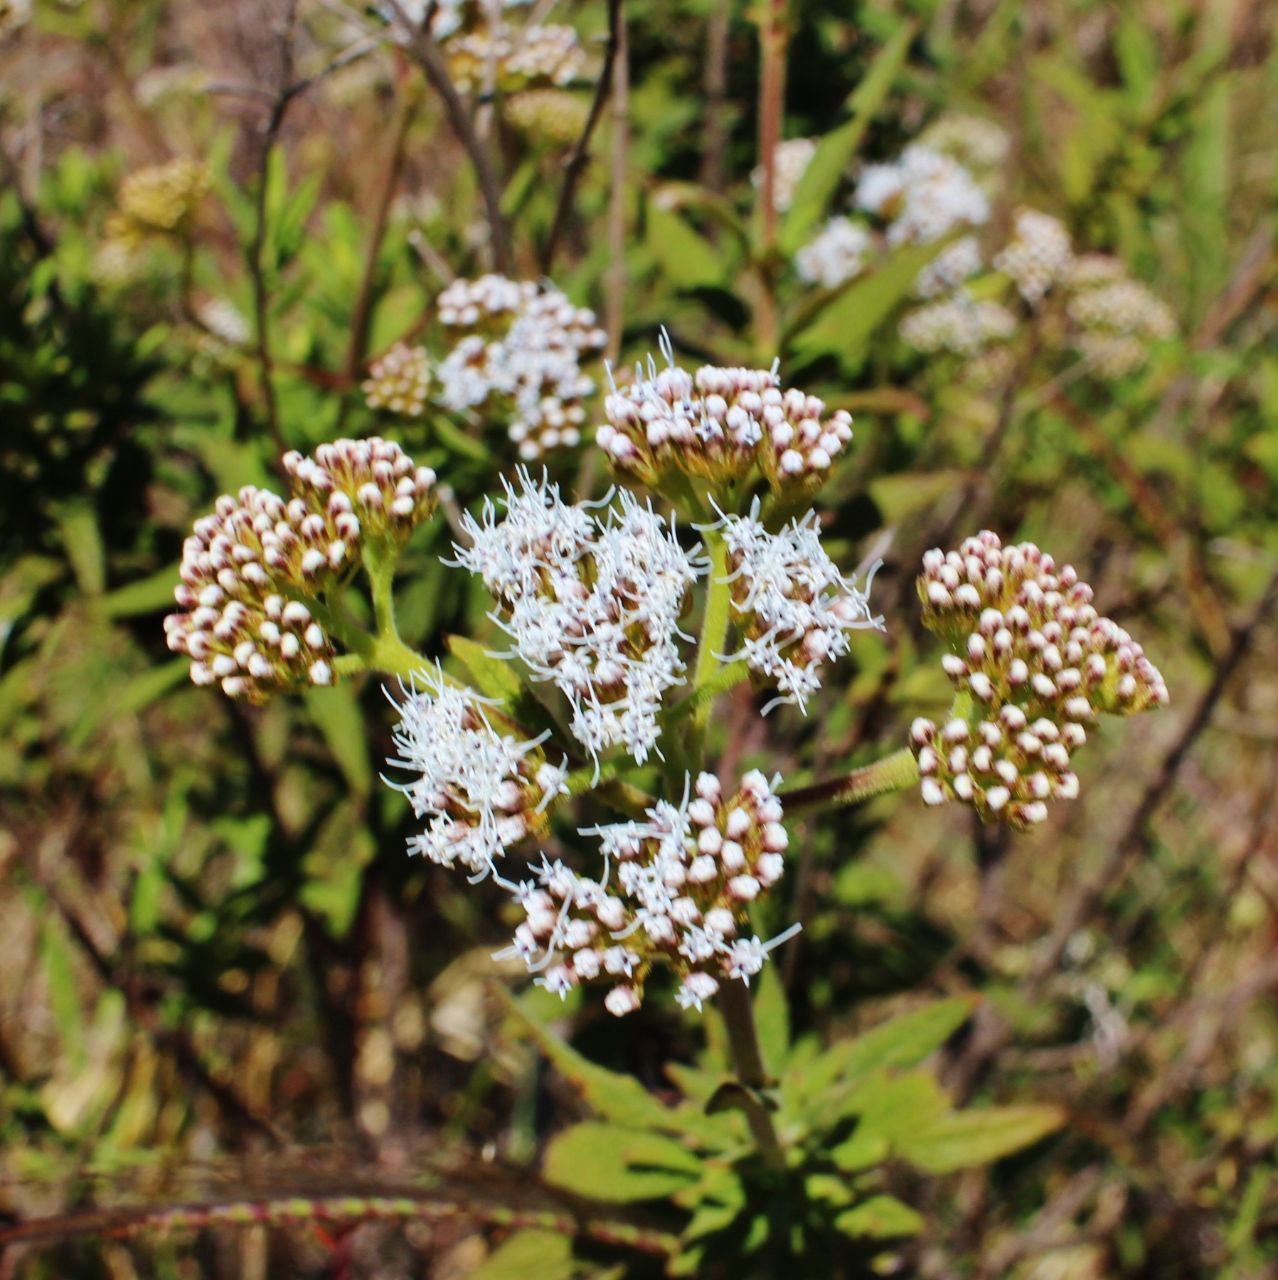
892	773
714	634
743	1038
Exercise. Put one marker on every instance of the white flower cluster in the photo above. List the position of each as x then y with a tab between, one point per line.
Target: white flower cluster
790	161
836	254
958	323
681	881
244	567
481	788
518	356
719	424
923	196
1028	646
1117	318
1038	255
592	605
399	381
949	269
222	319
793	606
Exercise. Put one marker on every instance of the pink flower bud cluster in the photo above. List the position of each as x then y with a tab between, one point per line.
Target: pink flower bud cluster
399	380
592	604
681	883
718	424
1038	255
517	356
792	605
1037	662
479	786
249	568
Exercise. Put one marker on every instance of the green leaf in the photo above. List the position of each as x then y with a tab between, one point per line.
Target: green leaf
879	1217
608	1162
337	714
835	151
544	1254
146	595
896	1107
82	541
962	1139
863	1150
686	257
772	1018
493	677
845	326
619	1098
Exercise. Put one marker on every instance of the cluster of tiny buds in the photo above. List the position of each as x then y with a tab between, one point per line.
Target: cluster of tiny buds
1116	318
248	568
1038	255
719	423
681	883
977	143
835	255
922	196
552	115
546	54
399	380
1037	661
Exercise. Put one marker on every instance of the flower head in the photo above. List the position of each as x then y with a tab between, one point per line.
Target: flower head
959	323
592	603
480	787
720	424
835	254
790	162
1037	663
399	380
164	198
976	143
922	196
793	606
674	891
1038	255
1116	318
517	353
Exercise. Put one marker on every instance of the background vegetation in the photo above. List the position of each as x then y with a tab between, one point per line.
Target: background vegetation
222	979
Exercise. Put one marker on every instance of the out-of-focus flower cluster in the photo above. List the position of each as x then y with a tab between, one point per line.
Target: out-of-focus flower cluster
399	381
793	606
944	182
253	572
161	200
674	890
517	356
1033	663
1116	317
13	15
481	788
592	603
548	114
719	424
790	162
485	49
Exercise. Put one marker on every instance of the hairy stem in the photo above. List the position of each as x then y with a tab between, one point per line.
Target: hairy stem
714	632
743	1037
892	773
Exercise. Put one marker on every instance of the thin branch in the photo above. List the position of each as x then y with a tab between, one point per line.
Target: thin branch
714	157
431	60
580	153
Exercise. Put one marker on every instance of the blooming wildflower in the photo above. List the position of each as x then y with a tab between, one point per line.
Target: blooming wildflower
959	323
975	143
835	254
164	197
481	789
923	196
518	354
1037	256
793	606
675	890
592	605
718	424
245	567
1038	663
398	381
1117	318
954	264
790	161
